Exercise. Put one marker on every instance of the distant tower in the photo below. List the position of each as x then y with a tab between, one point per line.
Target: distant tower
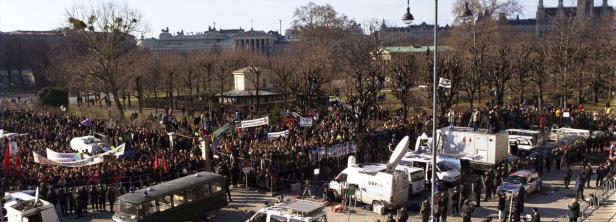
540	18
584	8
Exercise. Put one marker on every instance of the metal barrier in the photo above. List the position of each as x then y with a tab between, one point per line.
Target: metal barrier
587	209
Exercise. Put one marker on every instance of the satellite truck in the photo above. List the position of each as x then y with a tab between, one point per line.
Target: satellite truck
23	207
381	187
480	150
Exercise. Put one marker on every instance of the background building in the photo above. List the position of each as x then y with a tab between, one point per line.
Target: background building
215	40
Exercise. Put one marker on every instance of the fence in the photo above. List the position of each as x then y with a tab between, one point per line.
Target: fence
588	208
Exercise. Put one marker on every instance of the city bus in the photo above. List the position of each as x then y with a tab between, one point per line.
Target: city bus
182	199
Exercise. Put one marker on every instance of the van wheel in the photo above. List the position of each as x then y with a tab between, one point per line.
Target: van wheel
377	204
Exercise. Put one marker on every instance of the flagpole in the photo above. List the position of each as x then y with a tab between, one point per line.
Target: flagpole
434	145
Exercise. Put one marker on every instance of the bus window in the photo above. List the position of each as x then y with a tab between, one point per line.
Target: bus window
192	194
164	203
178	199
151	207
129	210
216	186
205	189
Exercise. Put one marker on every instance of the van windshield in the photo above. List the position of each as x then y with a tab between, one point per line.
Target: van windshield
417	176
128	210
443	166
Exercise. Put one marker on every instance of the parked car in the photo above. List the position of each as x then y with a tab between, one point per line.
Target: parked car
527	178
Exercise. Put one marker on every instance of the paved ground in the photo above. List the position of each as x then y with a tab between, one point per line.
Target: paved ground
552	202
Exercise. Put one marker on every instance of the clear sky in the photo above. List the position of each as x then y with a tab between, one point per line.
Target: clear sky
197	15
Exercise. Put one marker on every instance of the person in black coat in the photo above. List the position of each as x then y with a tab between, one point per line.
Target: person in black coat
102	193
467	211
111	196
404	216
535	217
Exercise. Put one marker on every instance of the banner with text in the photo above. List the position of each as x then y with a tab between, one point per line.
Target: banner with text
275	135
96	159
254	122
62	157
305	121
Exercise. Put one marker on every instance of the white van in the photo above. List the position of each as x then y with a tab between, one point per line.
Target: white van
378	185
88	144
445	171
22	207
526	139
296	211
417	178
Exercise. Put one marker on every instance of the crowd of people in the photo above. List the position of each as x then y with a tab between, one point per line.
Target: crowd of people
152	156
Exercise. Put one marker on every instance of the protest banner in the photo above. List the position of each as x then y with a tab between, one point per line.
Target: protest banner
305	121
96	159
275	135
254	122
62	157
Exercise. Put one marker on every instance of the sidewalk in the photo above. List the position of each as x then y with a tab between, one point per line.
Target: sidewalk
607	212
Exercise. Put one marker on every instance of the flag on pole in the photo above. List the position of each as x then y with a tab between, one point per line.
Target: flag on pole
156	162
17	167
7	159
445	83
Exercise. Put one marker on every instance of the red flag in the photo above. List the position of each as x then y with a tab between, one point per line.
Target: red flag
156	162
7	159
17	167
165	166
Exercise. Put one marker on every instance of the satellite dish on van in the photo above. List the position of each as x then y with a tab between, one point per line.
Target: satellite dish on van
398	153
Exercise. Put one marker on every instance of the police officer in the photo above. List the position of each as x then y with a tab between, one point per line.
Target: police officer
62	198
102	192
72	202
111	197
477	192
77	202
83	194
94	198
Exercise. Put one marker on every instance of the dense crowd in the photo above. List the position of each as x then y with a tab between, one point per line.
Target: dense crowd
151	156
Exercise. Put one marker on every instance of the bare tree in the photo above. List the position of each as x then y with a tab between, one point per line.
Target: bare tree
521	71
105	30
322	23
500	73
283	67
403	71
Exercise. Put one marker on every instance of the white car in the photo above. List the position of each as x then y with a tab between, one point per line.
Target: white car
297	210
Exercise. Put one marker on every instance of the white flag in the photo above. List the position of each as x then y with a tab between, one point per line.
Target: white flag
445	83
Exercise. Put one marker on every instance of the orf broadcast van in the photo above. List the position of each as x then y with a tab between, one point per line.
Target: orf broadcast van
376	185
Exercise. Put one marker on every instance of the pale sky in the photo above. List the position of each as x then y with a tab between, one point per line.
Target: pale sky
197	15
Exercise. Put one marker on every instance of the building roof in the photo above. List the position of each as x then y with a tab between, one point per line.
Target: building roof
411	49
518	21
253	34
421	27
241	93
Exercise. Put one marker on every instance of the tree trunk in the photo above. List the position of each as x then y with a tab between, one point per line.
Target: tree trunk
155	101
117	101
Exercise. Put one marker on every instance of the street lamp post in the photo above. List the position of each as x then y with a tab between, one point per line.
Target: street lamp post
407	18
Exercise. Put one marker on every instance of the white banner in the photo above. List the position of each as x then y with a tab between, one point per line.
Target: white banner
273	136
254	122
305	121
1	133
62	157
13	148
96	159
445	83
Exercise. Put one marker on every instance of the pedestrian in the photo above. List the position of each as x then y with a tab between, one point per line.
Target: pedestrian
467	211
601	174
455	201
451	116
102	193
390	218
567	178
78	204
475	120
62	197
443	204
535	217
588	174
477	192
424	211
501	207
489	182
579	188
404	216
574	211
